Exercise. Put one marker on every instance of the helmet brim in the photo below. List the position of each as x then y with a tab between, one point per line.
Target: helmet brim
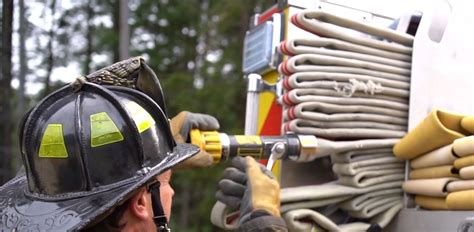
20	211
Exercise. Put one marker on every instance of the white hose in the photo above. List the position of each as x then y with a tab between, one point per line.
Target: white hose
297	96
295	65
357	203
299	110
354	156
368	178
303	220
308	79
309	92
376	206
341	133
314	59
330	25
339	48
301	123
329	190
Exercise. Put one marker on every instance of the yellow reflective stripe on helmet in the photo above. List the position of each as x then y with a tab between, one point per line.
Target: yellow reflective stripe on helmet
143	120
52	143
103	130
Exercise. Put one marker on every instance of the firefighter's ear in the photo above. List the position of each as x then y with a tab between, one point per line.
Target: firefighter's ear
140	205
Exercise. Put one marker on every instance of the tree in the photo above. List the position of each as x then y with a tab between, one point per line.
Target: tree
6	124
23	59
124	30
89	37
49	49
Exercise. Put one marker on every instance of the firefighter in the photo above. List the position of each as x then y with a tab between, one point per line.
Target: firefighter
92	155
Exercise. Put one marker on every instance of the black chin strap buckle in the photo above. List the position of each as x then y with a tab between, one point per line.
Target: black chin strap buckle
161	223
163	228
160	217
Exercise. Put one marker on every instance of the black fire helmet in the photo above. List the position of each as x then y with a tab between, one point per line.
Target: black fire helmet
85	150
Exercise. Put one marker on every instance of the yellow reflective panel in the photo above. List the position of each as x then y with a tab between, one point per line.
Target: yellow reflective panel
143	120
103	130
52	143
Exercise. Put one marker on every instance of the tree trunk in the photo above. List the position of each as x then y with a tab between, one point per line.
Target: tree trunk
6	170
202	46
90	15
185	202
50	58
116	21
245	12
124	30
23	60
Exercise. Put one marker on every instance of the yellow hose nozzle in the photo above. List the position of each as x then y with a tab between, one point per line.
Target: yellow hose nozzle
208	141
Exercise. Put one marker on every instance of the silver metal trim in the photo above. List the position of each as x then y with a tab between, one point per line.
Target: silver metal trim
225	144
251	110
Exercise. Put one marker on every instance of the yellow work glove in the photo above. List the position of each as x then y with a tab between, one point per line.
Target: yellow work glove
182	124
251	188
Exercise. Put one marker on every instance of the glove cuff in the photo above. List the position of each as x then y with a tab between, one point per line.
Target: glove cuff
263	223
176	125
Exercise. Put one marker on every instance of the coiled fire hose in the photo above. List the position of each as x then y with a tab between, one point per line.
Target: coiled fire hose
344	87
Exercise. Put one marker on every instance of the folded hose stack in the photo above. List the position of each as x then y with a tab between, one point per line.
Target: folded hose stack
349	82
441	154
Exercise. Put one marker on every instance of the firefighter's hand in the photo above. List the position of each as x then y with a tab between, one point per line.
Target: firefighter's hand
251	188
182	124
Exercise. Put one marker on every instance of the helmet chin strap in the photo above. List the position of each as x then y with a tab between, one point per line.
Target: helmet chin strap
159	215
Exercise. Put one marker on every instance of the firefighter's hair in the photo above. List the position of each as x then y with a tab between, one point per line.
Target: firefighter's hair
112	221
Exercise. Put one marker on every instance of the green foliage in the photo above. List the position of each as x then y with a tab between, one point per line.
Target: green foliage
194	198
196	40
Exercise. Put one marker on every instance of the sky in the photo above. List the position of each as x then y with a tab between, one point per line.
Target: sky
41	18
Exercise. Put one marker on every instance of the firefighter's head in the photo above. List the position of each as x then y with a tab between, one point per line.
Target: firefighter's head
89	150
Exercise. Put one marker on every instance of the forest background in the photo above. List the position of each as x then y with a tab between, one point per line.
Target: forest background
194	46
